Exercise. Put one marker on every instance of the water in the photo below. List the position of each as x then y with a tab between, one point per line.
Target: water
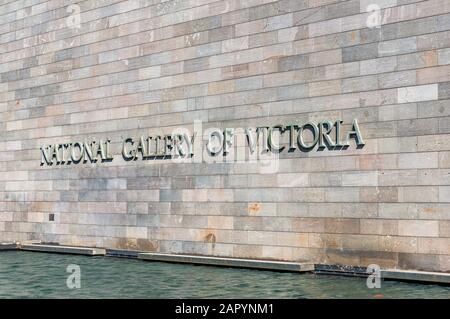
41	275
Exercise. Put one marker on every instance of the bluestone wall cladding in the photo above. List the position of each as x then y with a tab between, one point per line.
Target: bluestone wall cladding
73	70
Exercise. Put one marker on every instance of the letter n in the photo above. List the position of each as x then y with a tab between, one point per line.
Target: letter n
46	158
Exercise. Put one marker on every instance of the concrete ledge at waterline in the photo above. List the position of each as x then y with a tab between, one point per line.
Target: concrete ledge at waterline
64	249
418	276
8	246
230	262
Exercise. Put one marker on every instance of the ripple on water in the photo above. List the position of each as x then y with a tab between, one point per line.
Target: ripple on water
41	275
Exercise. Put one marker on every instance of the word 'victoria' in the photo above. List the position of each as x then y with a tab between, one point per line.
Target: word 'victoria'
218	142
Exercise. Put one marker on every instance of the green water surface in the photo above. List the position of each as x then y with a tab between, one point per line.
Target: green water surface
42	275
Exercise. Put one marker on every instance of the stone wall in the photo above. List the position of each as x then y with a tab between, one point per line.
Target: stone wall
111	69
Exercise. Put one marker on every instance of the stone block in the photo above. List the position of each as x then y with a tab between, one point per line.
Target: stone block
418	228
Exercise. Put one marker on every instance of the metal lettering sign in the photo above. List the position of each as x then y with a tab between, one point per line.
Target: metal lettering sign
324	135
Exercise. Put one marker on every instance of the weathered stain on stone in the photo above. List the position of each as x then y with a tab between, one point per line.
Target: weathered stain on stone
146	245
127	243
254	208
210	238
430	210
430	58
